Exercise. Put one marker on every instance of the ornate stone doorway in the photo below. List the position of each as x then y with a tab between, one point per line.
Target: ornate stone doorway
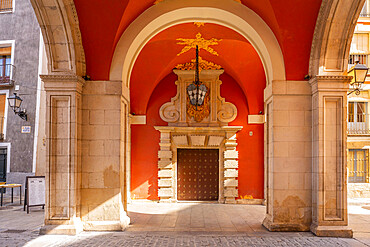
208	132
198	174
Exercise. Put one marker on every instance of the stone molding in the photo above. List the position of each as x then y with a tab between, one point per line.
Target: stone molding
220	112
63	82
330	84
223	138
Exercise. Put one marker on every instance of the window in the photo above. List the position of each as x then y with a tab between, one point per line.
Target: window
359	49
6	67
365	10
358	122
6	5
358	166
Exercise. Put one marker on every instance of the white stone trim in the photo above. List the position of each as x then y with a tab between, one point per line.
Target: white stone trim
138	119
256	119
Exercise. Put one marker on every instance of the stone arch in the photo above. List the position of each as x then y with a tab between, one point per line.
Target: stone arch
62	37
333	35
169	13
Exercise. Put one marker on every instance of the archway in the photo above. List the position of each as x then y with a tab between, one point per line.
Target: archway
163	16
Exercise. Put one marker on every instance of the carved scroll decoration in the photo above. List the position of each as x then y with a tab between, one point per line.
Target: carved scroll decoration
227	112
168	111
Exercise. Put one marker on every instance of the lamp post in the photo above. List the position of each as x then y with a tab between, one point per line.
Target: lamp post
358	73
15	103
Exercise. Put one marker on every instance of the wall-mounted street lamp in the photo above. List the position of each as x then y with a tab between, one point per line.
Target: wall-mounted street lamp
358	73
15	103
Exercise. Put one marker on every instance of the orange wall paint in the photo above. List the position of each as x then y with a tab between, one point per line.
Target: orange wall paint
145	139
145	143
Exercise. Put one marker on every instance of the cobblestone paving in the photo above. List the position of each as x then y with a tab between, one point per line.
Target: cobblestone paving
31	239
20	229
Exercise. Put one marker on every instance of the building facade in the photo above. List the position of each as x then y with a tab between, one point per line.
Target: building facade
19	65
358	114
271	128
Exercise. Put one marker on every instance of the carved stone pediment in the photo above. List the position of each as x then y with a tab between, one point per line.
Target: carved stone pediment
214	111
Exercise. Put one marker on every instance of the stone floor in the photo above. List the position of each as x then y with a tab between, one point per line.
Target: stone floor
200	217
182	224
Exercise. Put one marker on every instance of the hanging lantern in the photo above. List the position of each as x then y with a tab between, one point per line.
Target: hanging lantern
196	91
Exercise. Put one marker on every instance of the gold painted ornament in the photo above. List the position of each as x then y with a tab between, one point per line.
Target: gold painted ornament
200	42
203	65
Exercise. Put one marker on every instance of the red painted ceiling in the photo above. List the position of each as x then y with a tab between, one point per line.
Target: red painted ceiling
102	24
159	56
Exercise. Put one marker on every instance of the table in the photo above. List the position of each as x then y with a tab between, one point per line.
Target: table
12	186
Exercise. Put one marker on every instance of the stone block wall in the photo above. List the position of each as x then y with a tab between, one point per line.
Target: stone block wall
100	172
288	160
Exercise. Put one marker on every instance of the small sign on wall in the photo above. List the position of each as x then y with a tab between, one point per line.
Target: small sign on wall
26	129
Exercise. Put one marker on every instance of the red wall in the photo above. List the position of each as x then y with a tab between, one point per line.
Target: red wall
145	139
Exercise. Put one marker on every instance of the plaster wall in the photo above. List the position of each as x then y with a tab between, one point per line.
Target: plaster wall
22	27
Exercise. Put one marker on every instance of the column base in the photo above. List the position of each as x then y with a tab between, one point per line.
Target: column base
60	230
104	226
332	231
284	227
229	200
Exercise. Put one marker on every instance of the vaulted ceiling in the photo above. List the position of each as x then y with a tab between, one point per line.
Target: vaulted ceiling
102	24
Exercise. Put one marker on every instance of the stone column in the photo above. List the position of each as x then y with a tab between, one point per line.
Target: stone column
63	161
329	175
230	166
288	141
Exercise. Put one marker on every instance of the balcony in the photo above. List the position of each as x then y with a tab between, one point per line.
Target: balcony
6	5
358	124
7	72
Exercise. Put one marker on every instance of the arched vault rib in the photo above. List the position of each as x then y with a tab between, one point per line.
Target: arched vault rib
161	16
60	29
333	35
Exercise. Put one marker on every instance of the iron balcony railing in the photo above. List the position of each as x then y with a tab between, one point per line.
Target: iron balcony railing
7	72
6	5
358	124
361	58
359	170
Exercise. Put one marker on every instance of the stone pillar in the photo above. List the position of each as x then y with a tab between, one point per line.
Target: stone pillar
230	167
288	141
63	161
165	166
329	175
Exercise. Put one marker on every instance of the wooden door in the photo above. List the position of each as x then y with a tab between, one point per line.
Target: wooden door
197	174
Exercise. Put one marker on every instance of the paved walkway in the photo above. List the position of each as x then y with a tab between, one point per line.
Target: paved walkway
183	224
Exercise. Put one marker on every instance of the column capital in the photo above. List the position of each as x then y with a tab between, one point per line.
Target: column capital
330	83
63	82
